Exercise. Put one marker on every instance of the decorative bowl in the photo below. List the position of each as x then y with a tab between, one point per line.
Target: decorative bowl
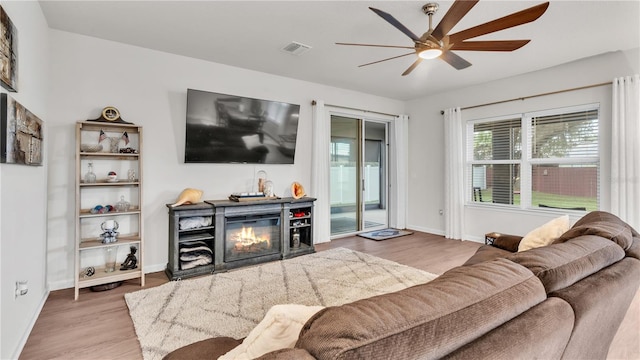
90	147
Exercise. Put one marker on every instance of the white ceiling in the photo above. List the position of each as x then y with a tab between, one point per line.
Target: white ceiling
250	34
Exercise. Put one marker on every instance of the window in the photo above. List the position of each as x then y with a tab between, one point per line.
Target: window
545	159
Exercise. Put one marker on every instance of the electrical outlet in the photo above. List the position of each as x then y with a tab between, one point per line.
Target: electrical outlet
441	212
22	287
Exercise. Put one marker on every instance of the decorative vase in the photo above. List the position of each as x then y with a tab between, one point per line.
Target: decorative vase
90	176
110	257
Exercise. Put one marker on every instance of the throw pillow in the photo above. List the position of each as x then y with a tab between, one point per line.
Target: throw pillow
545	234
279	329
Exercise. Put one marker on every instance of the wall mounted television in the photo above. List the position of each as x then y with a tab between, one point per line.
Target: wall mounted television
225	128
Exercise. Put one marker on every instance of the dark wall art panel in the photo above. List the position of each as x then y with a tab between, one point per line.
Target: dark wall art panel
8	53
20	133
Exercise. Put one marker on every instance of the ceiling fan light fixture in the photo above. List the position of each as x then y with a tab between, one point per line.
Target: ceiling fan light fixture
429	54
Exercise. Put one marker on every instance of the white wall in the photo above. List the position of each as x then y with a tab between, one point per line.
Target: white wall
149	88
23	189
426	140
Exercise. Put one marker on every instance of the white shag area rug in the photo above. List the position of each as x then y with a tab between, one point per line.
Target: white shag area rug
232	303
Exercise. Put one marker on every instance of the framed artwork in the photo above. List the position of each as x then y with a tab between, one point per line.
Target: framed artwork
20	134
8	53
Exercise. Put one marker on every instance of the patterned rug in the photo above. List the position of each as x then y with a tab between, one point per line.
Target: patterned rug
231	304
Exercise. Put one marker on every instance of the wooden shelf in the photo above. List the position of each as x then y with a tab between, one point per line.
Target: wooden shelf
86	213
87	244
108	155
108	126
102	277
107	183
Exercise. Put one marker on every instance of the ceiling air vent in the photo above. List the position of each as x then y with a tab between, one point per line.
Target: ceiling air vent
296	48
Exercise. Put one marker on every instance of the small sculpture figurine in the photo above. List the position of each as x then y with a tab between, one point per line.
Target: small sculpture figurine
131	260
88	272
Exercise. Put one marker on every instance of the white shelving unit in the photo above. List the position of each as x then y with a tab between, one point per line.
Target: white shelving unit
89	247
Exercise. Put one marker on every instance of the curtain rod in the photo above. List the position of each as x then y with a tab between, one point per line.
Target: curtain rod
313	103
532	96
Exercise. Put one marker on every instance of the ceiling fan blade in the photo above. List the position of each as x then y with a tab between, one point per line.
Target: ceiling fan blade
456	12
497	45
413	66
375	45
391	58
515	19
455	60
391	20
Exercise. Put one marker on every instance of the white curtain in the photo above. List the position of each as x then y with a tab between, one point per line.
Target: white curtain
625	149
320	168
453	174
398	172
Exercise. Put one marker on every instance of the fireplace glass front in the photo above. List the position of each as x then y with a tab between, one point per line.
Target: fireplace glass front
251	236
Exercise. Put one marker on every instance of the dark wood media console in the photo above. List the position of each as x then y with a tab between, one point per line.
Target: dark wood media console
218	235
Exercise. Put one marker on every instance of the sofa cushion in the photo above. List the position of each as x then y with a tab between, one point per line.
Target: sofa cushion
542	332
617	232
600	302
486	253
467	301
545	234
278	330
634	250
604	216
561	265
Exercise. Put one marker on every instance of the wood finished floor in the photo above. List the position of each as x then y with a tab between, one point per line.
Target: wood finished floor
98	326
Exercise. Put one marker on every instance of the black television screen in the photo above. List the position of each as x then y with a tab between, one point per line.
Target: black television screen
233	129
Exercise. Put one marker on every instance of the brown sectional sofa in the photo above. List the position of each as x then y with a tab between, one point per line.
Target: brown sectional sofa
562	301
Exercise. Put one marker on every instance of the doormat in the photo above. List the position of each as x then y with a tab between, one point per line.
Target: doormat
385	234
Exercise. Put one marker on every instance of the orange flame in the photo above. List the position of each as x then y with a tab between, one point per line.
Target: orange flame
248	237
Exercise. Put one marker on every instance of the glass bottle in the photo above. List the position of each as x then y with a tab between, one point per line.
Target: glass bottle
90	176
295	238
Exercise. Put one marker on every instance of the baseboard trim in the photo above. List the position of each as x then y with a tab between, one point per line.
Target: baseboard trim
473	238
426	230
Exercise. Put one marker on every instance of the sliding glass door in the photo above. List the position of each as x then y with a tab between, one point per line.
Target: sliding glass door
358	181
374	168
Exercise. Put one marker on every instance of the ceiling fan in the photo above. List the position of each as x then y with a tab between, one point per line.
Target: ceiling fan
439	43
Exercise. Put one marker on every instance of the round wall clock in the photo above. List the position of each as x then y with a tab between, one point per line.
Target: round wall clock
110	113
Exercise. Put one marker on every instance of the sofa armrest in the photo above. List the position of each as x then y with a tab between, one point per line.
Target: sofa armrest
507	242
211	348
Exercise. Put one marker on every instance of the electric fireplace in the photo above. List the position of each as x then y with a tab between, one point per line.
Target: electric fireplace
238	234
251	236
